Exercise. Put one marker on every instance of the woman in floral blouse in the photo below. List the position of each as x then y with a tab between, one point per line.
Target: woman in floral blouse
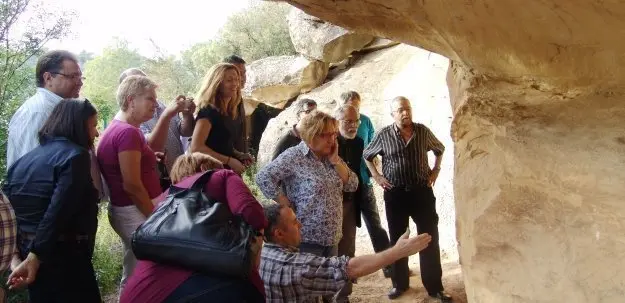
311	178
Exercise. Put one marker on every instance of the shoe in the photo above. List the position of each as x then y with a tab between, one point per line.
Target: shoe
396	293
443	296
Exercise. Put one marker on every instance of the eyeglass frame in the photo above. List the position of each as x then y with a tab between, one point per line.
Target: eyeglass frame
72	77
351	122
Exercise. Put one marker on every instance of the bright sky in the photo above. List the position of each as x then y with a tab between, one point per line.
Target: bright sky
172	25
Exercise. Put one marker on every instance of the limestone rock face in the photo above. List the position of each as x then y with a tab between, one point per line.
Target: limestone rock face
320	40
404	70
274	80
537	98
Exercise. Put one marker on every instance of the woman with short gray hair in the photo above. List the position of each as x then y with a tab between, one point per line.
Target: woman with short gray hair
128	163
314	178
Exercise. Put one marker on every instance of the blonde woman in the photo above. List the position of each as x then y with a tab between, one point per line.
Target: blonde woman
314	179
218	100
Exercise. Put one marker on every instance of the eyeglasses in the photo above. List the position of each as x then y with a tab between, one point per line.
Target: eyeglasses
351	122
326	136
72	77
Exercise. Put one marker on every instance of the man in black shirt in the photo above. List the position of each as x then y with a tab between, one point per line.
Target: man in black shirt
291	138
407	180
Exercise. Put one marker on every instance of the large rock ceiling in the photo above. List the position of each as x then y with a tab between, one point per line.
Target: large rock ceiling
537	96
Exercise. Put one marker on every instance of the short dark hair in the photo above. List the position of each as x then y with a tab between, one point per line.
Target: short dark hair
272	213
305	103
52	62
233	59
348	96
69	120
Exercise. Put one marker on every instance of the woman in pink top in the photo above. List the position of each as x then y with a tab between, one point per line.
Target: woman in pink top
153	283
128	164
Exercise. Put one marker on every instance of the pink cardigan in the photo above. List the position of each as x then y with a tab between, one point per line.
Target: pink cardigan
151	282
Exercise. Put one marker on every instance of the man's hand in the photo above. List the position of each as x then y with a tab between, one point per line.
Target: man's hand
176	106
411	246
383	182
433	176
24	273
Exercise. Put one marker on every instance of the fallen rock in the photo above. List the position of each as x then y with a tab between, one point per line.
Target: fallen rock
323	41
275	80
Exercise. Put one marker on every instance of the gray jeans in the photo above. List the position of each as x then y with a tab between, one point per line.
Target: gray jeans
125	220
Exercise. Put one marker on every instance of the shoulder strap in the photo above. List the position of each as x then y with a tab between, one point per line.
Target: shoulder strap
202	180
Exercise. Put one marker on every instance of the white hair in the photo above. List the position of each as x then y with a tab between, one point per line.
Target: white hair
133	86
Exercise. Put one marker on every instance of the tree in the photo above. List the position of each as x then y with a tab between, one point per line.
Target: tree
102	76
25	28
171	74
259	31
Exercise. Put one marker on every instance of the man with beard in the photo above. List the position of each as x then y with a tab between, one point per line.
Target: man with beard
350	150
58	77
407	180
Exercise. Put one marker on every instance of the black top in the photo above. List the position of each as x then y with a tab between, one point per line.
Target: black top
52	193
350	150
220	138
287	141
237	128
404	164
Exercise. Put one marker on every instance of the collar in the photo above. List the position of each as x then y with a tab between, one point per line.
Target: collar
48	95
398	131
304	149
281	247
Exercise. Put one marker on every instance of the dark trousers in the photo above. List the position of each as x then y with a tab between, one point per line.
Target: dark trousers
418	203
201	288
67	277
369	210
347	245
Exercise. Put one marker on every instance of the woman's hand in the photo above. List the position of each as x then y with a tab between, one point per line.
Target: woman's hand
246	159
236	165
24	273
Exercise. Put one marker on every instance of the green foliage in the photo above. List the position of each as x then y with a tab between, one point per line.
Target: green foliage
259	31
22	39
102	73
107	255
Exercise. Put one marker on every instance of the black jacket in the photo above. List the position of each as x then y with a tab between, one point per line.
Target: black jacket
52	193
350	150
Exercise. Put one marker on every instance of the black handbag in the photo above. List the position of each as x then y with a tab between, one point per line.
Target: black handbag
193	231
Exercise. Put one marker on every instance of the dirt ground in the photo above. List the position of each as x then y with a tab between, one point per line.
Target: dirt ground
374	287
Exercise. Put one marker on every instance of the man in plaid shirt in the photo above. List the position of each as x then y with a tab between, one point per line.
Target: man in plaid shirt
8	232
290	276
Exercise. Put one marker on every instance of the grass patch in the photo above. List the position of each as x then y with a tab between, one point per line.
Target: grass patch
107	255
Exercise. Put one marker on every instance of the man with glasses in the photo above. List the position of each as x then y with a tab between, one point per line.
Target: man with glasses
292	138
407	180
58	77
350	150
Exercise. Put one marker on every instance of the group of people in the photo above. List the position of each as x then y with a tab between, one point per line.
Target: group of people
320	180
